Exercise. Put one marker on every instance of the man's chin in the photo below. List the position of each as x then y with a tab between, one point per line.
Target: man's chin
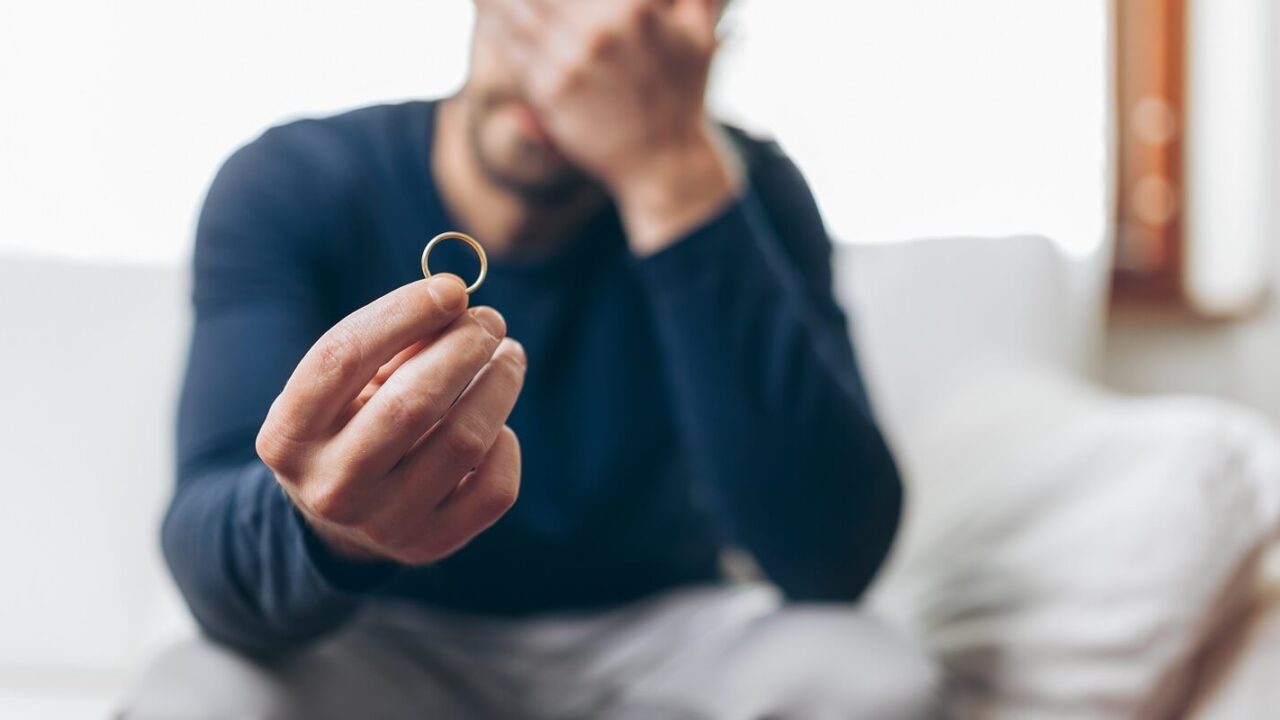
542	190
537	175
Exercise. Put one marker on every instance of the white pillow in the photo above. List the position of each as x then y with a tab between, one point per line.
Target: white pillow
1063	546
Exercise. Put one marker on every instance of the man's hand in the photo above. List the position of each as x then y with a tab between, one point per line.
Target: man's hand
619	86
375	440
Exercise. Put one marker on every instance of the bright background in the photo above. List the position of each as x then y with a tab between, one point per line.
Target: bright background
911	117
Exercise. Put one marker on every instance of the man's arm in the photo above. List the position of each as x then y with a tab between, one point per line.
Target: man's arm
246	563
767	391
763	379
286	510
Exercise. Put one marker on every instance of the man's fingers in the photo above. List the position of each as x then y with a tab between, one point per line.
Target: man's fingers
436	468
522	18
379	377
416	396
697	19
477	503
464	437
346	358
517	22
529	31
394	363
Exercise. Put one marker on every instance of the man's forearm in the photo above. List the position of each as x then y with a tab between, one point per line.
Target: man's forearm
241	558
769	400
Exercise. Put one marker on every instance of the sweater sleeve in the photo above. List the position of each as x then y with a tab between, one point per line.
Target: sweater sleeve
767	391
249	568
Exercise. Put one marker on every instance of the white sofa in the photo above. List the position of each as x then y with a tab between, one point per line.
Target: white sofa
89	369
91	358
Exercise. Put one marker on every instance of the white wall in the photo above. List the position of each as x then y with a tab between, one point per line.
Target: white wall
917	118
116	114
912	118
1234	358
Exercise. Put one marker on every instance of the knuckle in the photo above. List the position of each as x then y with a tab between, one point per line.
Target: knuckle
477	346
403	407
340	352
418	403
274	449
392	406
280	442
500	498
436	400
466	442
327	501
475	339
510	435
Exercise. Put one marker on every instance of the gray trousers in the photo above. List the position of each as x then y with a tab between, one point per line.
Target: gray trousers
722	653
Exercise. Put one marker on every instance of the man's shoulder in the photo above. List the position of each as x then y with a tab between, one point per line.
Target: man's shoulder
326	160
774	176
776	179
784	197
757	150
350	133
307	175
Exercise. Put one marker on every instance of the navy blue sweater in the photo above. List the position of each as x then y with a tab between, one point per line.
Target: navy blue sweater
700	398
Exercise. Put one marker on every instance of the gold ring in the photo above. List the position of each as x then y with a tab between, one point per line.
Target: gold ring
484	261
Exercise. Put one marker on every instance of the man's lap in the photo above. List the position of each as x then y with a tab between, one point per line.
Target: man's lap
706	653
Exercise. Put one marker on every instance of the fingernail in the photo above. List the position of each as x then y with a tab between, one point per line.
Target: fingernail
448	291
490	320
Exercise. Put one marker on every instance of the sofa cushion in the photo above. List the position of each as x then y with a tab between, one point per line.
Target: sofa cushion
1064	546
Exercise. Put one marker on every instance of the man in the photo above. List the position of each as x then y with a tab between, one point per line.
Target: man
352	543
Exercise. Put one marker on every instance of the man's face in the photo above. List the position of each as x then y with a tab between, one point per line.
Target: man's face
508	141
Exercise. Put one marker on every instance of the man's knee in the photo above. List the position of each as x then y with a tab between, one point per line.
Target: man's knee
198	680
813	663
865	668
878	670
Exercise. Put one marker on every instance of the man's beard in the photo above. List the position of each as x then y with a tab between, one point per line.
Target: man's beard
559	184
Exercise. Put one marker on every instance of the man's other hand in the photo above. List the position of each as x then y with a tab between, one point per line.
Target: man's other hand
390	436
620	87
